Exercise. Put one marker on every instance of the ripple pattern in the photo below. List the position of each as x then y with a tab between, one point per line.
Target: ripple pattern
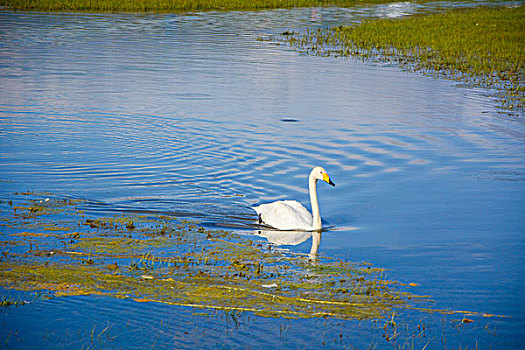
192	114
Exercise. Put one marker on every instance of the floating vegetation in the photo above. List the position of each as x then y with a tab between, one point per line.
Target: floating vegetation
163	259
172	6
484	46
5	302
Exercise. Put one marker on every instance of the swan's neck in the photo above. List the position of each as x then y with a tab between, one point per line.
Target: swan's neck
316	216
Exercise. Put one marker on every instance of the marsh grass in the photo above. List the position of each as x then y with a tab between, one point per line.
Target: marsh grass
170	5
166	260
163	259
484	46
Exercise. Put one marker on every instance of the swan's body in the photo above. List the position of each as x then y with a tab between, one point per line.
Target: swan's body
285	215
292	215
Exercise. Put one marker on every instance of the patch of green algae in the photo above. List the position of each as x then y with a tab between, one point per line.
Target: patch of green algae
166	260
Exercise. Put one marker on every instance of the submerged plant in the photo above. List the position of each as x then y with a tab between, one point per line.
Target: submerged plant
166	260
6	302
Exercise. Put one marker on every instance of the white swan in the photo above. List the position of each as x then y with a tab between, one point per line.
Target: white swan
292	215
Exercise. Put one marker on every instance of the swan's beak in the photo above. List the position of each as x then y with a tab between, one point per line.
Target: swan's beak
326	178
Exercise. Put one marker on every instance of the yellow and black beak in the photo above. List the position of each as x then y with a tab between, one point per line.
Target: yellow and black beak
326	179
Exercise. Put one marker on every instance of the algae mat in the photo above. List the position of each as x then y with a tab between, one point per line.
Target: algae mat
53	246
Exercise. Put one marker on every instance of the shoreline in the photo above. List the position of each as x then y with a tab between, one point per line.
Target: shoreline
167	6
481	46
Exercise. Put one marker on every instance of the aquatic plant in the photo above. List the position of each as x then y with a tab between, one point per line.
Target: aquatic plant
161	259
171	6
484	46
6	302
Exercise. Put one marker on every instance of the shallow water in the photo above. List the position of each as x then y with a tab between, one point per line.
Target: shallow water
192	115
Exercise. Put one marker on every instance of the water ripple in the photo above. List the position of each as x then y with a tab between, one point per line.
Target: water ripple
192	108
192	116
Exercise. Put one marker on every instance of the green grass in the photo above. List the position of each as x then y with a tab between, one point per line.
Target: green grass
485	46
170	5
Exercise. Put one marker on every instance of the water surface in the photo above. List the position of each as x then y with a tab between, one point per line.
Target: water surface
192	115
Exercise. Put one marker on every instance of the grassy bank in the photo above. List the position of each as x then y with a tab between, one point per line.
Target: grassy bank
170	5
485	46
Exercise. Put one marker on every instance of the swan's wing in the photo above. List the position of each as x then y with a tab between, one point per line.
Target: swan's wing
285	215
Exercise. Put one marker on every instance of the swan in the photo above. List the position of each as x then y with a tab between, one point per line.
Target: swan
292	215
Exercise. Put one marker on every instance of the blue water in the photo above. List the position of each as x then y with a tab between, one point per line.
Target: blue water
193	115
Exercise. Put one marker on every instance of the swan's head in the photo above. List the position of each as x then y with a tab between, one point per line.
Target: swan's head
319	173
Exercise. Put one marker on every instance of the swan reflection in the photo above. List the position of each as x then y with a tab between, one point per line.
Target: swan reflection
292	238
316	241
